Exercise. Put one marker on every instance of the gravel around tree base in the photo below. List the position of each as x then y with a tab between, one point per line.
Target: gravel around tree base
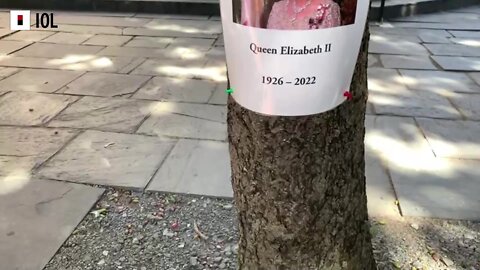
135	231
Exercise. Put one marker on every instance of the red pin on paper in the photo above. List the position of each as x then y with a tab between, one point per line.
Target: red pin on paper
20	19
348	95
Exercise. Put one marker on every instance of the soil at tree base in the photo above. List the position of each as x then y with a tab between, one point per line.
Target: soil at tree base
156	231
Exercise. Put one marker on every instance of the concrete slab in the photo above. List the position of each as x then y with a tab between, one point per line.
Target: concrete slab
397	141
385	80
9	46
177	89
196	167
445	189
407	62
171	68
67	38
106	114
108	40
219	97
29	35
182	126
39	143
453	50
202	44
112	159
468	104
6	72
150	42
100	20
184	120
458	63
37	217
466	34
58	50
395	45
439	81
39	80
81	63
380	192
452	139
413	103
105	84
31	109
87	29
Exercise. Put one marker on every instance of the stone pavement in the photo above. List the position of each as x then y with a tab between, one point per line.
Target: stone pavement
138	101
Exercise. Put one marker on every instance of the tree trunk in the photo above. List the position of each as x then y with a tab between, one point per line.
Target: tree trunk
299	185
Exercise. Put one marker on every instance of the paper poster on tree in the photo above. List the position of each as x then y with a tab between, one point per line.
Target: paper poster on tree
292	57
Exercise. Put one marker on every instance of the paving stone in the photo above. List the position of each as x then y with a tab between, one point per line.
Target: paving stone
439	81
100	20
149	42
196	167
441	26
440	17
385	80
453	50
432	38
87	29
413	103
458	63
39	80
175	122
5	72
29	109
407	31
177	89
14	171
472	42
466	34
29	35
37	217
396	45
397	141
112	159
9	46
4	32
171	68
73	62
476	77
108	40
202	111
171	16
105	84
468	104
39	143
174	52
132	65
380	193
186	26
215	70
452	139
57	50
133	52
165	31
448	190
106	114
373	60
407	62
67	38
219	96
203	44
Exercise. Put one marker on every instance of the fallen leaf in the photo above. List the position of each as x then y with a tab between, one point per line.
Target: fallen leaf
98	212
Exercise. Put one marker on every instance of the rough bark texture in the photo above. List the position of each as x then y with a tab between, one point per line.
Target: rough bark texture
299	185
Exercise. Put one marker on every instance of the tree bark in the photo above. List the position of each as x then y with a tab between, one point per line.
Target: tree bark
299	185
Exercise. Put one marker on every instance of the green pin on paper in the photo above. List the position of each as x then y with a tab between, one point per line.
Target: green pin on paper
229	91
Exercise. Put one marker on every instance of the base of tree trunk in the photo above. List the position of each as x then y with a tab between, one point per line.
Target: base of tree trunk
299	185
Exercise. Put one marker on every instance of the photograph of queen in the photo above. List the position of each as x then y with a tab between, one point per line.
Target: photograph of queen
294	14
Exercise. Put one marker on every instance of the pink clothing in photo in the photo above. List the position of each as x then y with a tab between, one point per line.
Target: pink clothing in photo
251	12
318	15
